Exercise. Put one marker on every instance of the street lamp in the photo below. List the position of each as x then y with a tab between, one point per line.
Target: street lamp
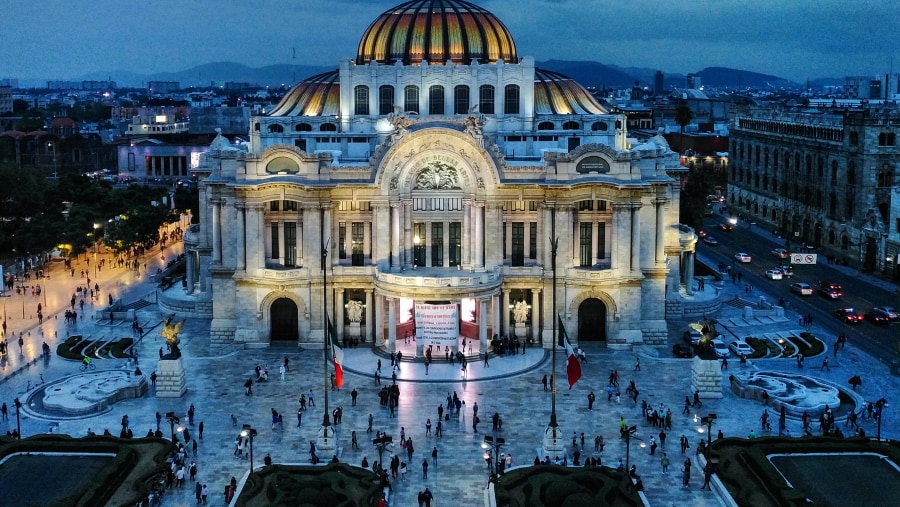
53	145
628	434
18	405
382	443
173	420
96	270
708	421
249	432
493	444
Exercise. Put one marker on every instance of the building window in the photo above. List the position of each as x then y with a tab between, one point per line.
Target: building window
290	244
436	100
546	125
586	205
532	240
455	243
586	229
411	99
361	100
276	129
600	126
419	244
276	244
854	138
303	127
437	244
571	125
601	240
357	239
274	205
461	99
887	139
486	99
342	240
511	99
386	100
518	244
328	127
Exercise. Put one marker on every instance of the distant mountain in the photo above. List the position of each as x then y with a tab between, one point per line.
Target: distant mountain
723	77
646	76
589	73
218	72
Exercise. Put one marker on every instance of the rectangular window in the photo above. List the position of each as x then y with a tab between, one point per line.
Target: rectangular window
503	241
511	99
290	205
518	243
601	240
411	99
601	205
276	245
436	100
290	244
586	228
361	100
274	205
342	240
455	243
532	241
437	244
357	240
486	102
419	244
461	99
385	100
585	205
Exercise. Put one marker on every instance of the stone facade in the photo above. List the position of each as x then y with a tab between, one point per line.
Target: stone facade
171	380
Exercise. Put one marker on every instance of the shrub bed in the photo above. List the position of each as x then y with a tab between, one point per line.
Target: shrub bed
550	485
333	485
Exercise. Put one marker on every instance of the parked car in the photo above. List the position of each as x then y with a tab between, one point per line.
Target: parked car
781	253
740	347
726	227
692	336
804	289
878	316
742	257
774	274
830	290
711	241
720	349
848	315
682	350
890	311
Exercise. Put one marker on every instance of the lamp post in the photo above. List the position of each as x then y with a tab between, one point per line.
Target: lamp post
248	431
18	405
173	420
325	441
628	434
96	227
381	443
493	444
53	145
708	421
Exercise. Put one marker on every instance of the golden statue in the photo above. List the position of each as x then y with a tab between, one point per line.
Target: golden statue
170	333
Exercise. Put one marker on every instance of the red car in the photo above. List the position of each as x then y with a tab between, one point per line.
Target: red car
848	315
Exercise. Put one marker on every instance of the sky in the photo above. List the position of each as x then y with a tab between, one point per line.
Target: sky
793	39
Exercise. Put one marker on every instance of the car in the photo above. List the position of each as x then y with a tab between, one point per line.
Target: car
786	270
719	348
774	274
701	233
848	315
682	350
726	227
878	316
740	348
804	289
830	290
711	241
742	257
781	253
692	336
890	311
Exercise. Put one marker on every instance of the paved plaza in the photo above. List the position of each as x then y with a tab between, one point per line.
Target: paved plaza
510	386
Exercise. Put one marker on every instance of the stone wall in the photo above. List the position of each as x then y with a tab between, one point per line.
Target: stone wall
171	381
706	377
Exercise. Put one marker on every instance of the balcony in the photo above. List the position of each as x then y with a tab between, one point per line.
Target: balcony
439	282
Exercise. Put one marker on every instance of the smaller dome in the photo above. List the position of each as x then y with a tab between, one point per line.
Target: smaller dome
319	95
555	93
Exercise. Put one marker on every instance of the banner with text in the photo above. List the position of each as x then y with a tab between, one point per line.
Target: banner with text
437	324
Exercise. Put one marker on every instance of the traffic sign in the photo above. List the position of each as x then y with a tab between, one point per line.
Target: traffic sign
797	258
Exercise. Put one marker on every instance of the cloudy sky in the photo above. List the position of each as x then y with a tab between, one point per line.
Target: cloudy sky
795	39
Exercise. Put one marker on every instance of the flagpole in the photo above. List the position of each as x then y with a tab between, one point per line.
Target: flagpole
325	440
553	442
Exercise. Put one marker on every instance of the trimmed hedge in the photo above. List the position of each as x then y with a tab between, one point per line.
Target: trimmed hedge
553	485
335	484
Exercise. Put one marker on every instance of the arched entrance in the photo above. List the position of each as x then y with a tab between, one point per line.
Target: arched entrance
592	320
283	315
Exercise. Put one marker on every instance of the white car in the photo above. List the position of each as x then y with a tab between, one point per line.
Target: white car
742	257
740	347
774	274
719	348
804	289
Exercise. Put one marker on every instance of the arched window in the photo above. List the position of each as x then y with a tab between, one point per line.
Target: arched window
831	237
461	99
303	127
486	99
276	129
511	99
328	127
436	100
411	99
385	99
618	124
361	100
256	127
571	125
546	125
600	126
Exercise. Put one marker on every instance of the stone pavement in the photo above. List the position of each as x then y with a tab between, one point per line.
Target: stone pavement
510	386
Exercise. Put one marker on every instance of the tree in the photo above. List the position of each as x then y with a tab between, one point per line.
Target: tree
683	117
693	197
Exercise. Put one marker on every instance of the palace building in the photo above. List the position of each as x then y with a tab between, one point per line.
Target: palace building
416	189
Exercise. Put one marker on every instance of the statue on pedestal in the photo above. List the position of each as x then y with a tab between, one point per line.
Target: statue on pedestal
170	333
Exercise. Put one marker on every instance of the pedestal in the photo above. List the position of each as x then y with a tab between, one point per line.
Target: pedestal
520	330
171	381
326	442
554	444
355	331
706	377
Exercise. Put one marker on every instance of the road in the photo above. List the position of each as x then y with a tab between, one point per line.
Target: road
860	291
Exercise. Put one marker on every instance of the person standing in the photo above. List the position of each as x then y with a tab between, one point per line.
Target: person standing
200	430
591	398
369	429
665	464
353	395
434	456
544	381
425	469
281	370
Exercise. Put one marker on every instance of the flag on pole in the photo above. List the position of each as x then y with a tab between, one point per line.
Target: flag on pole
573	368
337	354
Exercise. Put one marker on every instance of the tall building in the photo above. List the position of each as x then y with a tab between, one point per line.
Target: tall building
659	83
434	167
829	180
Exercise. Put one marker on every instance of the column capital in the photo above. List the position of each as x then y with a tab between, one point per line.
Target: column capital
396	204
536	291
369	291
326	205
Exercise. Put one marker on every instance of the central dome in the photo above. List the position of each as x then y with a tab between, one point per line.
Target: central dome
436	31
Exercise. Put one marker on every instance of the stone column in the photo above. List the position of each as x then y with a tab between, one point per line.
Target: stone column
392	324
479	236
495	314
339	313
544	234
535	321
407	235
327	234
367	243
689	271
620	235
379	320
467	235
635	236
300	259
395	235
282	244
482	323
217	230
504	311
369	304
660	231
312	236
189	258
241	233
